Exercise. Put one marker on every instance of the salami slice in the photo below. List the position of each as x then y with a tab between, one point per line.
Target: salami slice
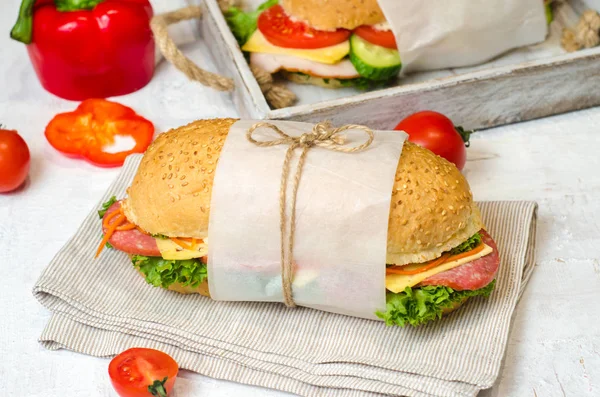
132	241
470	276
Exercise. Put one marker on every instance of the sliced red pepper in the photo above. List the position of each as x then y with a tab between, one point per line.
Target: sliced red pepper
89	130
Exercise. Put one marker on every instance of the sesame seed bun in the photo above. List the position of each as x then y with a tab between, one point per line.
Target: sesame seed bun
334	14
431	211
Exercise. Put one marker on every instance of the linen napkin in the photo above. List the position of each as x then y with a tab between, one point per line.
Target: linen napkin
102	307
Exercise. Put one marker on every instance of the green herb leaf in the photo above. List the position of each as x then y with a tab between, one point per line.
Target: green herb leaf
162	272
243	24
106	206
420	305
158	235
109	245
471	243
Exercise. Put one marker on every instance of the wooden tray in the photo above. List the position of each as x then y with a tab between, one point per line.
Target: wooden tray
524	84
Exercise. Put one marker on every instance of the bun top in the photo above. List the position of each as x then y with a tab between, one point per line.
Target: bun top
431	211
334	14
170	193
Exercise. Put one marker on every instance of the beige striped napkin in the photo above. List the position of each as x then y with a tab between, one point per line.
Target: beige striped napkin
101	307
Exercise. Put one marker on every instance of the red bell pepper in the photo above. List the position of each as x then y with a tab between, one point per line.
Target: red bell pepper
90	130
88	48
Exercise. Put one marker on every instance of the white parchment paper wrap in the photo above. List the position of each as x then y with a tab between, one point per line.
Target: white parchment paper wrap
438	34
342	213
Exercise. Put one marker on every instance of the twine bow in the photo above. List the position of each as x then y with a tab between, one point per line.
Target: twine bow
322	135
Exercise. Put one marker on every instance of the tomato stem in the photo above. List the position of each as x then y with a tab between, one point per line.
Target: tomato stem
464	134
157	388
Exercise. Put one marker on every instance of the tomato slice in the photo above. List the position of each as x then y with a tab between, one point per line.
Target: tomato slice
383	38
93	126
280	30
141	372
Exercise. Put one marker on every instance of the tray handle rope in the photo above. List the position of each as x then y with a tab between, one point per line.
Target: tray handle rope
277	95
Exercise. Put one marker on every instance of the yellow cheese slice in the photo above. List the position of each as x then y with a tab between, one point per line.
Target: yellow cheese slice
329	55
398	282
169	250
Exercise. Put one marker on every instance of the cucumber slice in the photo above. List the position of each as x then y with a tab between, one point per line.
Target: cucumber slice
372	61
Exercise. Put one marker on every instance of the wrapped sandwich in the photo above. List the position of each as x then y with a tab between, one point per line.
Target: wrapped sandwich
436	254
366	43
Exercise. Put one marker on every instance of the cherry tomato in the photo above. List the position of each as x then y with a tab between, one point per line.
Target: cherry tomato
281	31
383	38
14	160
141	372
437	133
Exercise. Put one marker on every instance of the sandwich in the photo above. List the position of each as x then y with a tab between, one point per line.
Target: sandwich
438	251
333	44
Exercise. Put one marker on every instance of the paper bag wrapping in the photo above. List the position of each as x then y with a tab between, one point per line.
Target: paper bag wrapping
438	34
342	213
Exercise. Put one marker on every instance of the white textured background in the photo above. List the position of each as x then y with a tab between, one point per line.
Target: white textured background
554	348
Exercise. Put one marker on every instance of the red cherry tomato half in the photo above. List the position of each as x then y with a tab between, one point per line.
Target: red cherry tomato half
383	38
280	30
436	132
14	160
141	372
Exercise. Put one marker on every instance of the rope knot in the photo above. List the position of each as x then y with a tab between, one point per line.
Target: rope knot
322	135
308	138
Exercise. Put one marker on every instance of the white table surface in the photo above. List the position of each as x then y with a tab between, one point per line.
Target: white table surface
554	347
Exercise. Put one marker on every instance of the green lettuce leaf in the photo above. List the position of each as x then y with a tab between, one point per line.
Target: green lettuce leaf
243	24
162	272
416	306
106	206
468	245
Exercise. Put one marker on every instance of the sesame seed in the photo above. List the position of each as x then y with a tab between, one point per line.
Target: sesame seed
196	194
443	212
404	222
184	184
450	207
170	186
172	199
170	175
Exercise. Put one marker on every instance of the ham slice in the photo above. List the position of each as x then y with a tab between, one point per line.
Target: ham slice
132	241
273	63
470	276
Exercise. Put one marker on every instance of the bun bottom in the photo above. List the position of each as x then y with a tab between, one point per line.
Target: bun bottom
201	289
311	80
454	307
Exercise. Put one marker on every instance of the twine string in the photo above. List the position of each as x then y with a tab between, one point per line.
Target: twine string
322	135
